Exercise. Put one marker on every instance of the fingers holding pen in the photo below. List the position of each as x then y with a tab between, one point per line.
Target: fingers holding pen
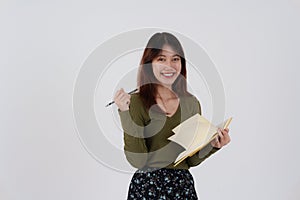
119	93
122	99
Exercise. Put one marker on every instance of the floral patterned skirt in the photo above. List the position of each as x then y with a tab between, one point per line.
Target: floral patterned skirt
162	184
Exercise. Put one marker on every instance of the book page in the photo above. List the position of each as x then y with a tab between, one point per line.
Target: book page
212	132
195	130
193	134
199	142
204	133
186	132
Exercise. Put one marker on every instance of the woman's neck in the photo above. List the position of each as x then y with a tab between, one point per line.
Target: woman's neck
165	93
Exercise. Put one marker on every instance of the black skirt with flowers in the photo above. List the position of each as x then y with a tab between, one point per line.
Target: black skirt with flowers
162	183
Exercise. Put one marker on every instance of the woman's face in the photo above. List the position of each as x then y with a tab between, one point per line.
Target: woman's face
166	66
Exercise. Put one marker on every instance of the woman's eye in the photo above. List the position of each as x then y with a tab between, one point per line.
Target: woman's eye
176	59
160	59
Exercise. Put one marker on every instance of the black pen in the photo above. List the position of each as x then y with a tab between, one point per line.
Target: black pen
133	91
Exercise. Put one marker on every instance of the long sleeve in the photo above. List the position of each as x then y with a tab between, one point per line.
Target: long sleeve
204	153
133	123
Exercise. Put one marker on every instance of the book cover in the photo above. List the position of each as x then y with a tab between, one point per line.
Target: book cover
195	133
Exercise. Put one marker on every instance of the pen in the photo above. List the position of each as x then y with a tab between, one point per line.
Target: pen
133	91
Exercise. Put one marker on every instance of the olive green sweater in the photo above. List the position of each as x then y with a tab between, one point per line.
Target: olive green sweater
146	135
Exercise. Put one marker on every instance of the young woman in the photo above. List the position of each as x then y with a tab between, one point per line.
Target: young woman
148	117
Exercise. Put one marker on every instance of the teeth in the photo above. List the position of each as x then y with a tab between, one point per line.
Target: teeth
168	74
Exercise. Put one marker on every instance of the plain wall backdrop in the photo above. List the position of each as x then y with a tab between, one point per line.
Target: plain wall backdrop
254	45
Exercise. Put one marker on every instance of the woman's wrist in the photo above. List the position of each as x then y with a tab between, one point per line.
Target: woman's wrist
124	109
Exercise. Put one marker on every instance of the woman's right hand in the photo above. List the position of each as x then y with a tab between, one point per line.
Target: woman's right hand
122	100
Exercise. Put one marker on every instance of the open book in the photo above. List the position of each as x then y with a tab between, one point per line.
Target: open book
195	133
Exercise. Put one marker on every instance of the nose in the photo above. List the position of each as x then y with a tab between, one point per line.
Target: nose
169	63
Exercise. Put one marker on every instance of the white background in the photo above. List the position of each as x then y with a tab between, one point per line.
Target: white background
254	45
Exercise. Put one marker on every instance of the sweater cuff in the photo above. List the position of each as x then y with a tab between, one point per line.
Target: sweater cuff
207	151
122	112
129	125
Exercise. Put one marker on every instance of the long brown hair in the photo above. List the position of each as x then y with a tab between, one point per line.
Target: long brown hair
147	83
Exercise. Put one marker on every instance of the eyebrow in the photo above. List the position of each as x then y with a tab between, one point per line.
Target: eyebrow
165	56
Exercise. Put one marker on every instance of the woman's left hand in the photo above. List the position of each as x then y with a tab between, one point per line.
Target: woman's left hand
222	139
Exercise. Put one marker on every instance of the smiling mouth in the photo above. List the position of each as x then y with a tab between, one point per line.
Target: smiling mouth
168	75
